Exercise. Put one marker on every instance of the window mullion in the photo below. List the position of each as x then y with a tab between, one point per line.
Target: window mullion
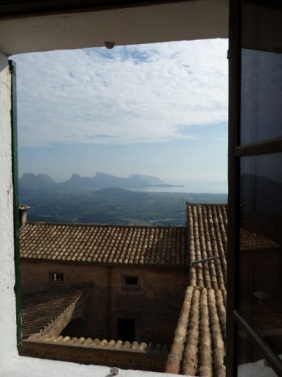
269	146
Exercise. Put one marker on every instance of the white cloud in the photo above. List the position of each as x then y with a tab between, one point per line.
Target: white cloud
145	93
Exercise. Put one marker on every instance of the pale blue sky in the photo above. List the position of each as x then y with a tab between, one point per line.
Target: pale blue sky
157	109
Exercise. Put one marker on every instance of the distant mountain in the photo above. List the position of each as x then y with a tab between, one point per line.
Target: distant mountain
76	183
146	178
40	182
43	183
102	180
134	181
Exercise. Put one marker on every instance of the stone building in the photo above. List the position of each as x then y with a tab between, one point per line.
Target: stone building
131	272
186	266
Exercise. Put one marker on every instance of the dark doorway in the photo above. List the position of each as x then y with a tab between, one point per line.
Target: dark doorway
126	329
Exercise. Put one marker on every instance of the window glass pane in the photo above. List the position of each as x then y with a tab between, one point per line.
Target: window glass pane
250	360
260	293
261	82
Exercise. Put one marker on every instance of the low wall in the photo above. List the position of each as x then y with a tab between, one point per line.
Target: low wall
96	356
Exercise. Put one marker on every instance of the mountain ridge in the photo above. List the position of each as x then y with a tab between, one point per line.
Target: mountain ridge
43	182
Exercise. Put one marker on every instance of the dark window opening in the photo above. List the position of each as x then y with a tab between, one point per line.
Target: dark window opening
126	329
131	280
56	277
130	283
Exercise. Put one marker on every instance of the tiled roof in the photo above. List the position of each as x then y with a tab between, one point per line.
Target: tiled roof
104	344
250	241
198	345
40	309
207	232
104	244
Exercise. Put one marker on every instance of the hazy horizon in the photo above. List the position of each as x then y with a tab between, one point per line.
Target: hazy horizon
158	109
177	186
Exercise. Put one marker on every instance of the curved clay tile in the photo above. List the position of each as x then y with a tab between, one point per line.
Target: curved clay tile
190	355
177	348
217	339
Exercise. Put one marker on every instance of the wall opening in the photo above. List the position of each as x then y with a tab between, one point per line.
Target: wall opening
126	329
131	122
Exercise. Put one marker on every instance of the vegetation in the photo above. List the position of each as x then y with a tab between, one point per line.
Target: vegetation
112	206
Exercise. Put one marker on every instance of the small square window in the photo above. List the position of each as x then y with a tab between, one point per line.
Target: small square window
130	283
54	276
131	280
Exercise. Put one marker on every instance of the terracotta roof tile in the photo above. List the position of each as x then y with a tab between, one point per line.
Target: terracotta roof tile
104	343
198	345
207	232
108	244
250	241
40	309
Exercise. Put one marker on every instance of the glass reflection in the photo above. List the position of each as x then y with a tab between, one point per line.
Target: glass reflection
261	105
261	80
250	360
260	293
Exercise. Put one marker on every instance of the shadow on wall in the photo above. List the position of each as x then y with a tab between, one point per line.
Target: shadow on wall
77	327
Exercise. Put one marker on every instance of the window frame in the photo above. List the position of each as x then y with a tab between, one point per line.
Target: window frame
18	288
53	277
40	362
234	318
125	286
15	365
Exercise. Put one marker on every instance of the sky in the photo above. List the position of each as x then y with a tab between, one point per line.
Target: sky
155	109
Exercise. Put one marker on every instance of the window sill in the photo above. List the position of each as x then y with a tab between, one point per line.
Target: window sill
26	367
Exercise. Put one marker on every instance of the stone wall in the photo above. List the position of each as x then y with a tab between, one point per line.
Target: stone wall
88	355
154	303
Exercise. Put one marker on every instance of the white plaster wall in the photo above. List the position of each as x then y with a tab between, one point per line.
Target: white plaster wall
197	19
12	365
7	279
28	367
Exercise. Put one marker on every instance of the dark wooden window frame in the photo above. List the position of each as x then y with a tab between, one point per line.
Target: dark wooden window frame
25	8
235	152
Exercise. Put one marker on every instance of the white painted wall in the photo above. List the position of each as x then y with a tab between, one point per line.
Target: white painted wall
7	276
197	19
11	364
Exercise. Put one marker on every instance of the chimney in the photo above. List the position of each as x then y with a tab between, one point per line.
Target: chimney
23	215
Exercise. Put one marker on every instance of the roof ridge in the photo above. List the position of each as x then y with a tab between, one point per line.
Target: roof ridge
134	346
